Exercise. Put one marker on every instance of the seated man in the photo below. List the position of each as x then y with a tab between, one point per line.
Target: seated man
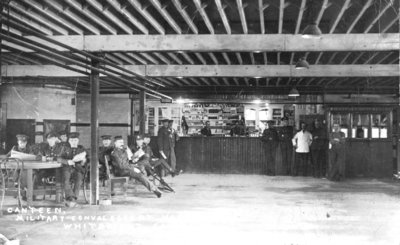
74	167
105	151
121	158
158	164
52	152
63	138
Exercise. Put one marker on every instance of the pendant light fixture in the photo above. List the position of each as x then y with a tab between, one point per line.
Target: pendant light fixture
302	64
312	30
294	92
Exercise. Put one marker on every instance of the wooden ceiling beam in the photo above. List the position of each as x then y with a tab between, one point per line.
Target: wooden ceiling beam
110	16
221	11
143	11
261	9
137	58
298	24
245	71
132	19
71	15
15	17
224	43
201	9
201	58
164	13
162	57
188	58
57	18
242	15
146	56
36	17
175	58
185	16
77	6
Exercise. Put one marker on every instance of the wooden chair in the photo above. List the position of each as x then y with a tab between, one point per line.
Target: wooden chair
112	181
11	170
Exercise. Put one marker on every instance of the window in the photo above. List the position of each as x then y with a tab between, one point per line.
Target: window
379	129
342	121
360	126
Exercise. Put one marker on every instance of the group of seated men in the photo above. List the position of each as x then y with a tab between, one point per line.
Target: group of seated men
136	162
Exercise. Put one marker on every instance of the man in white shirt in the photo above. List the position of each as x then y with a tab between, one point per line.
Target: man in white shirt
301	142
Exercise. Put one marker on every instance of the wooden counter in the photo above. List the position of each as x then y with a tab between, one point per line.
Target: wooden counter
246	155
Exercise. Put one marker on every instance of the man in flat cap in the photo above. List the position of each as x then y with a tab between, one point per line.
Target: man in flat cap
271	139
52	151
174	137
122	159
22	144
74	167
105	152
63	137
285	134
164	141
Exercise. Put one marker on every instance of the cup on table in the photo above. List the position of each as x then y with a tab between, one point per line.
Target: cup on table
44	159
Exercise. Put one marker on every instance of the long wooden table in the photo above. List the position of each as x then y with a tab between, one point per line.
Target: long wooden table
29	166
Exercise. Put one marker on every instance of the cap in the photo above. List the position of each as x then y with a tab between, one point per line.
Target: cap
270	121
22	137
170	121
284	119
105	137
119	137
51	135
74	135
165	120
62	133
139	137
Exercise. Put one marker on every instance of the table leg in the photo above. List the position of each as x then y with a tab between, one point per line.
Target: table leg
58	186
29	194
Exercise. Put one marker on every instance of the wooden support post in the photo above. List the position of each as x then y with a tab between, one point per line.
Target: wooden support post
132	122
94	133
142	116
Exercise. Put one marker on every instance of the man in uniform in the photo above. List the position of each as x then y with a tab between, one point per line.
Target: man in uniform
22	144
237	129
74	167
206	131
122	158
337	153
301	142
164	141
270	138
63	137
174	138
105	151
318	149
285	142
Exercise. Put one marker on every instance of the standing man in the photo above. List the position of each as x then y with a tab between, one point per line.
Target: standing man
122	160
206	131
174	137
319	148
285	141
337	154
164	142
75	168
105	151
271	139
301	142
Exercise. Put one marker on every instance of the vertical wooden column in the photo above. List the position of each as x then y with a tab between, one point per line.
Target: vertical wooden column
94	133
142	116
132	121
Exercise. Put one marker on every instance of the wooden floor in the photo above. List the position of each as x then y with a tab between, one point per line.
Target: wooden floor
230	209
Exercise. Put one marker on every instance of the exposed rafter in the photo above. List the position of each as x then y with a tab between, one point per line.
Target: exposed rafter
163	11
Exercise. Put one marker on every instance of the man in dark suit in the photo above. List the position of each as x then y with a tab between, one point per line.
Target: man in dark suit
164	139
270	138
206	131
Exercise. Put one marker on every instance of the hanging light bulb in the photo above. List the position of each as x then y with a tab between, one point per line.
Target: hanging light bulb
312	31
302	64
294	92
